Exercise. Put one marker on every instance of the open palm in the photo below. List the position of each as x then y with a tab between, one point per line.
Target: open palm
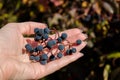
16	65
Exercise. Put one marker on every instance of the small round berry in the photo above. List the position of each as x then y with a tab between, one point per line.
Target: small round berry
37	38
49	44
68	51
53	42
78	42
37	58
44	57
35	49
63	36
45	36
47	30
43	62
29	48
36	30
59	55
40	48
73	50
32	57
61	47
41	32
52	57
59	39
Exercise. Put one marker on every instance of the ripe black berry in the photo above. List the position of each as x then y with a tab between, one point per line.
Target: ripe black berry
69	51
28	47
61	47
41	32
49	44
47	30
63	36
32	57
40	48
45	36
44	57
59	55
59	40
73	50
37	58
78	42
37	38
35	49
43	62
52	57
36	30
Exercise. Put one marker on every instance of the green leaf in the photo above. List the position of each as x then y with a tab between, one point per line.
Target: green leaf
114	55
1	5
106	71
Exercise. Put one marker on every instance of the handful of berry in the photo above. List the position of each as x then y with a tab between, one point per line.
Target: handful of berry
48	48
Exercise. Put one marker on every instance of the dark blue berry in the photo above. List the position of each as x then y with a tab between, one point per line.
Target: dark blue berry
78	42
43	62
59	55
40	48
73	50
32	57
59	39
44	57
37	38
50	43
37	58
41	32
29	48
45	36
35	49
36	30
52	57
63	36
69	51
47	30
61	47
53	42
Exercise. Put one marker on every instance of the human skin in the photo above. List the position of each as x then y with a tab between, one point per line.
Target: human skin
16	65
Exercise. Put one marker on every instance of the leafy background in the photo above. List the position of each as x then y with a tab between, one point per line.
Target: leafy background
99	19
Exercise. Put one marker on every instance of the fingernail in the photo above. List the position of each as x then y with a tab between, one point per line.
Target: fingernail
81	54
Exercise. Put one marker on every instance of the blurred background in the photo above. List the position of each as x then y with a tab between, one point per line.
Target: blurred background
99	19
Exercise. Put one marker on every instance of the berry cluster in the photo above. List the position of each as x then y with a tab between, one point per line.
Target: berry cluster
43	51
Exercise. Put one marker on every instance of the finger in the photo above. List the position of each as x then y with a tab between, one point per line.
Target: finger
70	32
28	27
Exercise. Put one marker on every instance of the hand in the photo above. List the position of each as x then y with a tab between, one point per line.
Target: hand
16	65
